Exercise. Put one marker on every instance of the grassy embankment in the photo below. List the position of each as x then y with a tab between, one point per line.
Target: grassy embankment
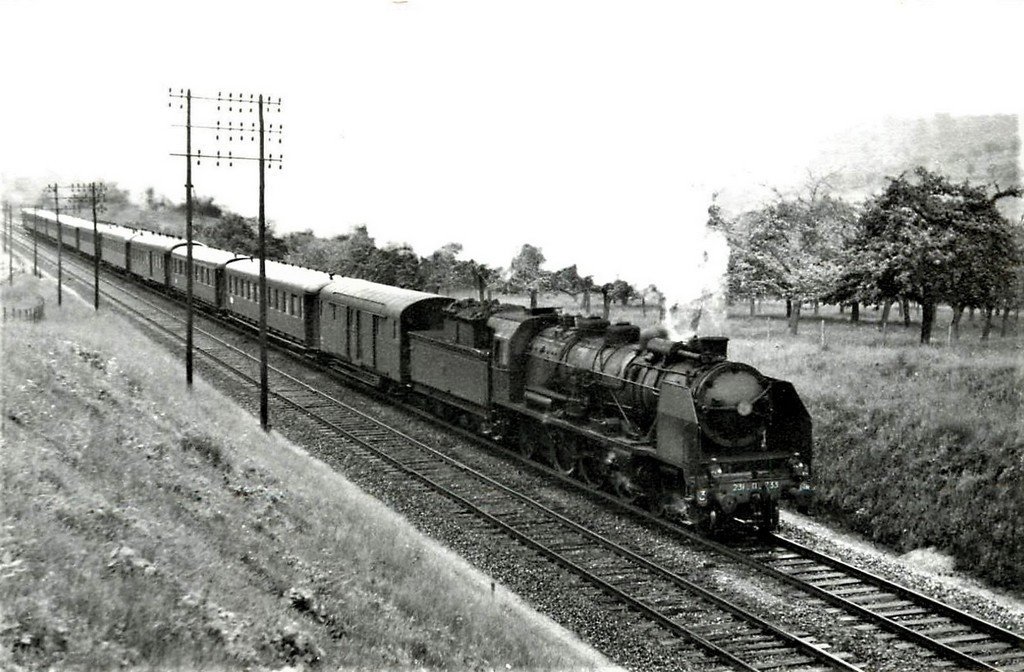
148	528
916	446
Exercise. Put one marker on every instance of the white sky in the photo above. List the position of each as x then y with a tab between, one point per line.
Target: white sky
596	130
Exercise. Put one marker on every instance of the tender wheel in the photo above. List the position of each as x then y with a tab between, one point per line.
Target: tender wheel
656	504
524	444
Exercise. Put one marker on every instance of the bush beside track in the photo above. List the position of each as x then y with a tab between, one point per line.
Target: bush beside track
148	528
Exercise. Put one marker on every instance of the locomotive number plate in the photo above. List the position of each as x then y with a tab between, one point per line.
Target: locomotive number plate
742	487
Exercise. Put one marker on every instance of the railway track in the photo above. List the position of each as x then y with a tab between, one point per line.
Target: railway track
720	630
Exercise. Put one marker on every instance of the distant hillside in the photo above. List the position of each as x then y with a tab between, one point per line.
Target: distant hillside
981	149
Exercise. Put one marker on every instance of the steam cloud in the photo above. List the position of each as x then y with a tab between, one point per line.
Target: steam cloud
696	302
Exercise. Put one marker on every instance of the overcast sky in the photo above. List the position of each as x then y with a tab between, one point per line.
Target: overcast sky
596	130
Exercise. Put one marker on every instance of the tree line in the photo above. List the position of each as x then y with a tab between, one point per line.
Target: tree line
924	239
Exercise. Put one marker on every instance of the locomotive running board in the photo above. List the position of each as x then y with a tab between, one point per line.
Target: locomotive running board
618	443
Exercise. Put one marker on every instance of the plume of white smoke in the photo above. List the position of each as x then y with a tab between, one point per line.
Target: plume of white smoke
695	301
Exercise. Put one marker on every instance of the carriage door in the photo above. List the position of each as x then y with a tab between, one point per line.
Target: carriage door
373	340
348	333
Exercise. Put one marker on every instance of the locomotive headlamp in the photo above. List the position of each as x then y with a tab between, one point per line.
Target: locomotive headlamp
800	469
715	470
744	408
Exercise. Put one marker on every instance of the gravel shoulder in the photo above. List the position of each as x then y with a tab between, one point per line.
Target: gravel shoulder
924	570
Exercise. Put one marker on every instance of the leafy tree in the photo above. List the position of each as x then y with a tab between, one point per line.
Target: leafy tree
239	234
440	271
481	275
526	272
622	292
569	281
931	240
395	264
793	247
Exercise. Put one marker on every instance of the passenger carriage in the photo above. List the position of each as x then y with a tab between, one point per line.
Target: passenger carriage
149	255
114	245
293	294
207	270
367	324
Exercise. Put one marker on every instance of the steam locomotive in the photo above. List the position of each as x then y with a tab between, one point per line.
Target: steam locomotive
670	424
673	425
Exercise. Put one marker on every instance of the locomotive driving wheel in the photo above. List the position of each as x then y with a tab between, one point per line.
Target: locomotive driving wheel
622	486
560	451
592	470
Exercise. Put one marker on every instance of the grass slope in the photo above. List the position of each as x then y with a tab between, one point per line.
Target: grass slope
148	528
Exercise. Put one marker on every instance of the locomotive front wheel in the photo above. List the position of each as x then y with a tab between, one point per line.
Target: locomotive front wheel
707	522
768	518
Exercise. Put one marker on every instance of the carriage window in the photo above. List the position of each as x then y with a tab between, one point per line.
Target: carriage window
334	312
294	310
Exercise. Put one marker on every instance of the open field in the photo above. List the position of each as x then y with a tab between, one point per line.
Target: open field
146	528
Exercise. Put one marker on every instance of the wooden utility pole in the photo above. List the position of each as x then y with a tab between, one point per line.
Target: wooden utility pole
10	243
264	382
233	129
189	272
60	242
94	192
97	250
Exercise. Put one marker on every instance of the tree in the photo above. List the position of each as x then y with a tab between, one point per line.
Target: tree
482	275
569	281
439	271
930	240
793	247
622	292
525	269
239	234
395	264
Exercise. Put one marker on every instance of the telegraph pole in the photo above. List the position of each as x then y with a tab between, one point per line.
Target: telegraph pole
35	245
10	245
233	130
9	240
60	241
95	193
186	96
